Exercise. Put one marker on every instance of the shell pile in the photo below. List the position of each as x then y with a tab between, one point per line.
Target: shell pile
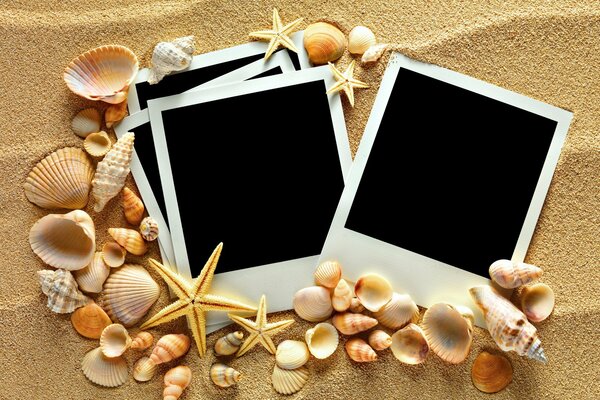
62	291
171	56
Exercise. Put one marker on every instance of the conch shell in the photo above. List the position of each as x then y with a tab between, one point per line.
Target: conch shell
373	53
291	354
286	381
409	345
86	121
491	373
342	296
176	380
313	303
328	274
229	344
537	302
90	321
149	229
142	341
144	369
60	287
350	324
379	340
373	291
322	340
133	208
113	254
448	332
360	39
510	275
398	312
91	278
171	56
97	144
170	347
224	376
360	351
324	43
114	340
104	371
131	240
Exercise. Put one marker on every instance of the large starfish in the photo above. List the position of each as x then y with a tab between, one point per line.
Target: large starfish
278	35
260	330
193	299
346	82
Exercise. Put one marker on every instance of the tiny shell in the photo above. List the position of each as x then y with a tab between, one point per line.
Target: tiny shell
149	229
170	347
537	302
373	291
342	296
104	371
176	380
400	311
86	121
373	53
313	303
97	144
287	381
356	306
115	113
360	351
114	340
350	324
131	240
91	278
491	373
379	340
90	320
324	43
113	254
224	376
60	287
409	345
509	274
169	57
322	340
142	341
229	344
328	274
448	332
144	369
360	39
133	208
291	354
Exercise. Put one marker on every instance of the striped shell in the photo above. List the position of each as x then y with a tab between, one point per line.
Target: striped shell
360	39
448	333
133	208
175	381
104	371
90	320
131	240
491	373
313	303
114	340
400	311
360	351
224	376
142	341
91	278
509	274
149	229
144	369
287	381
342	296
170	347
86	121
328	274
97	144
351	324
291	354
60	287
379	340
229	344
324	43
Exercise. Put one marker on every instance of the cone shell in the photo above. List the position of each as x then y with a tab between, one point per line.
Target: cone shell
313	303
509	274
86	121
360	39
169	57
176	380
131	240
90	320
379	340
356	306
104	371
324	43
229	344
373	291
97	144
409	345
142	341
342	296
103	73
113	254
224	376
448	333
170	347
115	113
133	208
328	274
291	354
149	229
373	53
400	311
128	294
91	278
61	180
537	302
322	340
491	373
360	351
144	369
114	340
60	287
287	381
351	324
111	171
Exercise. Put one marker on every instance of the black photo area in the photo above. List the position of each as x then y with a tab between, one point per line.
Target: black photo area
259	172
451	173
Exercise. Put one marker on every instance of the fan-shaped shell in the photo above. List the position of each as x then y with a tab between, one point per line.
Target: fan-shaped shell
324	43
537	302
379	340
291	354
360	351
91	278
313	303
131	240
491	373
86	121
115	113
144	369
322	340
342	296
142	341
103	73
287	381
448	333
172	56
360	39
97	144
176	380
409	345
373	291
61	180
90	321
149	229
398	312
170	347
133	208
104	371
224	376
328	274
114	340
229	344
60	287
113	254
351	324
509	274
374	53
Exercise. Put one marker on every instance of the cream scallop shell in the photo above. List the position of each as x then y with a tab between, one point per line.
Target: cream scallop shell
360	39
114	340
509	274
287	381
291	354
313	303
91	278
104	371
409	345
537	302
448	332
322	340
113	254
328	274
131	240
90	320
144	369
224	376
360	351
86	121
324	42
342	296
97	144
373	291
400	311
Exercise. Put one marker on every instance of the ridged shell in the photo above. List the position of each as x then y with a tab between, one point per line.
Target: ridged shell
448	333
60	287
104	371
291	354
115	113
409	345
356	306
313	303
133	208
342	296
61	180
360	351
170	347
149	229
86	121
289	381
379	340
224	376
373	53
360	39
90	320
144	369
114	340
175	381
91	278
128	294
172	56
97	144
324	43
509	274
112	171
142	341
131	240
400	311
373	291
537	302
229	344
507	325
328	274
351	324
491	373
103	73
322	340
113	254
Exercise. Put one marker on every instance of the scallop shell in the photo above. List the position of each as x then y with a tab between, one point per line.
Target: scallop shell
128	294
90	320
149	229
114	340
61	180
103	73
448	333
342	296
537	302
360	351
350	324
287	381
97	144
131	240
229	344
112	171
113	254
360	39
322	340
133	208
115	113
142	341
400	311
491	373
373	291
409	345
144	369
328	274
224	376
507	325
379	340
176	380
324	43
172	56
60	287
313	303
104	371
509	274
91	278
86	121
291	354
356	306
374	53
170	347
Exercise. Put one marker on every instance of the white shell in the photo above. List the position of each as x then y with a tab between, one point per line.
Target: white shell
149	229
373	291
510	275
313	303
328	274
374	53
342	296
448	332
400	310
113	254
60	287
86	121
91	278
360	39
97	144
171	56
409	345
537	302
291	354
104	371
322	340
114	340
289	381
144	369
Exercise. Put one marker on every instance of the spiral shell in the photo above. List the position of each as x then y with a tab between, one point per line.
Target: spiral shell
131	240
448	332
313	303
360	39
176	380
287	381
144	369
356	306
373	291
350	324
509	274
114	340
97	144
360	351
86	121
172	56
491	373
328	274
324	43
113	254
91	278
342	296
115	113
229	344
409	345
291	354
60	287
90	320
373	53
170	347
224	376
133	208
379	340
398	312
322	340
142	341
149	229
104	371
537	302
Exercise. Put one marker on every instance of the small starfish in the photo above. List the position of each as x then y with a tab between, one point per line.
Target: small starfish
278	35
346	82
260	330
193	299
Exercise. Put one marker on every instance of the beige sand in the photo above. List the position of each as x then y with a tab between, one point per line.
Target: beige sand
547	49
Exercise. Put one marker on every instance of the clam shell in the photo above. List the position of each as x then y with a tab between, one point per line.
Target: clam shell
224	376
509	274
114	340
86	121
61	180
373	53
491	373
313	303
115	113
103	73
97	144
229	344
379	340
113	254
128	294
91	278
175	381
131	240
287	381
291	354
360	39
409	345
142	341
373	291
398	312
356	306
104	371
90	320
448	333
60	287
144	369
170	347
537	302
133	208
360	351
342	296
328	274
351	324
149	229
322	340
324	43
172	56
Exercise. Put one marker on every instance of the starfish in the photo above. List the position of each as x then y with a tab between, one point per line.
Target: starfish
278	35
193	299
260	330
346	82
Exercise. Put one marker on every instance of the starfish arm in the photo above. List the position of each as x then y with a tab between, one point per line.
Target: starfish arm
169	313
336	73
286	30
287	43
249	343
261	313
197	324
244	323
350	94
210	302
276	21
340	85
203	281
276	327
358	84
263	35
273	45
179	285
350	70
268	344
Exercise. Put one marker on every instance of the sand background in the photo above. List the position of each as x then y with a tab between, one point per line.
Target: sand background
549	50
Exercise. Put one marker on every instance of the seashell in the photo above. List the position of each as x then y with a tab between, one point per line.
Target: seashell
176	380
360	351
115	113
61	180
313	303
114	340
356	306
398	312
128	294
350	324
507	325
322	340
328	274
324	43
97	144
409	345
491	373
60	287
537	302
287	381
112	171
224	376
91	278
103	73
144	369
291	354
172	56
342	296
170	347
90	320
149	229
448	333
133	208
86	121
229	344
360	39
142	341
510	275
373	53
113	254
104	371
131	240
373	291
379	340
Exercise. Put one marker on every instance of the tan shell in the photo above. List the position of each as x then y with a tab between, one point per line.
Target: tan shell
170	347
409	345
112	171
104	371
90	320
537	302
97	144
360	351
287	381
113	254
103	73
374	53
360	39
61	180
509	274
149	229
86	121
133	208
176	380
373	291
313	303
398	312
169	57
60	287
351	324
322	340
224	376
324	43
142	341
342	296
114	340
356	306
144	369
448	333
91	278
491	373
379	340
229	344
328	274
115	113
291	354
131	240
